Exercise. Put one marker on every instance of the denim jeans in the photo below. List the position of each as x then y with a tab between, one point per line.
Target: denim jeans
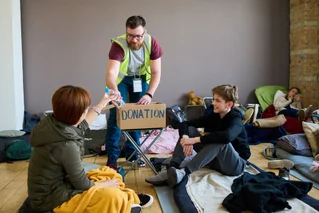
217	156
288	111
113	132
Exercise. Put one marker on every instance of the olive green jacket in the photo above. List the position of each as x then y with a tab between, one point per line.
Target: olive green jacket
55	171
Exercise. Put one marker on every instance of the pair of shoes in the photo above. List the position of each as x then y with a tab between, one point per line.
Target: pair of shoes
146	200
135	208
284	173
140	163
301	116
280	164
248	114
160	179
309	111
175	176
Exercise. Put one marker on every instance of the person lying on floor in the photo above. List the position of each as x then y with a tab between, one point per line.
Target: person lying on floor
224	148
290	104
56	177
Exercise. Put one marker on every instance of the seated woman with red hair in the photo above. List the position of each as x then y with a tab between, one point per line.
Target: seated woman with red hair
56	178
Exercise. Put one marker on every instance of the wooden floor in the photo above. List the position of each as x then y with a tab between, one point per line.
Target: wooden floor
13	178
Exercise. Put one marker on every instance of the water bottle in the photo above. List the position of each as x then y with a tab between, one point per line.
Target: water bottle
111	92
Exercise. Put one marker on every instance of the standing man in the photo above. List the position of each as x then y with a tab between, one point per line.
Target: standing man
134	69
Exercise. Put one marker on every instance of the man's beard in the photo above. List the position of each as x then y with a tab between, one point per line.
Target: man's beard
135	46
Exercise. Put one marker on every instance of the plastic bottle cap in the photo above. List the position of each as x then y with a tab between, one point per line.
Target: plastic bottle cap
107	89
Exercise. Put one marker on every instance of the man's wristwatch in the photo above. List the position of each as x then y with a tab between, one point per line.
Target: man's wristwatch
149	94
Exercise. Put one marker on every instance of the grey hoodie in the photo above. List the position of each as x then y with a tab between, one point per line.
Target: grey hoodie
55	171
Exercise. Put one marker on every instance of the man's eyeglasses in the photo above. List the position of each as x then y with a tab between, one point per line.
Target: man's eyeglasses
137	37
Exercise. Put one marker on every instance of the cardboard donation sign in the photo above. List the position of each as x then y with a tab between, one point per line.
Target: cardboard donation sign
133	116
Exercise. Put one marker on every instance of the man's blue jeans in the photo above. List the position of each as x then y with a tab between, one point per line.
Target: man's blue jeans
288	111
113	132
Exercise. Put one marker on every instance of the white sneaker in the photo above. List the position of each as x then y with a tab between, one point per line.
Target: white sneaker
146	200
135	208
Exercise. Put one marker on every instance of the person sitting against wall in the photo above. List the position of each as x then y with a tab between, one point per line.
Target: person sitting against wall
56	177
290	104
223	148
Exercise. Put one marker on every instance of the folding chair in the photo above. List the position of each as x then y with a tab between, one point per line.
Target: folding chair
141	154
197	111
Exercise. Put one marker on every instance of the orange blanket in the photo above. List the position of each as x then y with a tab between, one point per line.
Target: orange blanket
100	199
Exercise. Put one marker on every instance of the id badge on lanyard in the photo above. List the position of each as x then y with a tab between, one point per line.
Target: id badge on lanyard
137	85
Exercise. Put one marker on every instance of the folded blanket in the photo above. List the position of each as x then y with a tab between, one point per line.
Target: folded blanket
271	122
100	199
292	125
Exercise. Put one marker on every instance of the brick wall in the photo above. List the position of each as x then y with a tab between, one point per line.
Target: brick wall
304	46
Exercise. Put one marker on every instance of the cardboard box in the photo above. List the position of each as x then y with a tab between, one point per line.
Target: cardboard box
132	116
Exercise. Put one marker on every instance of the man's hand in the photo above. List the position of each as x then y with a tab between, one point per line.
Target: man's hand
116	96
145	100
188	150
187	141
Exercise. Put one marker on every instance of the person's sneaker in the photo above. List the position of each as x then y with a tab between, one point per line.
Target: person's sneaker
140	163
279	164
160	179
146	200
301	115
135	208
248	114
284	173
175	176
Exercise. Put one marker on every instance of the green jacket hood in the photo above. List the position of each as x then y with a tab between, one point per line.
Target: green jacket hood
54	131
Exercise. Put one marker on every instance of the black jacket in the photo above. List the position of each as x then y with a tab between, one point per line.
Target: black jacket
229	129
264	193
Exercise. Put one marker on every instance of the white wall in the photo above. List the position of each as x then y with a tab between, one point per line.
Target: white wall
11	74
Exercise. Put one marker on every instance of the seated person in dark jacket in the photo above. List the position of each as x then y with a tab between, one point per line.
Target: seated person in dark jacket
55	173
224	148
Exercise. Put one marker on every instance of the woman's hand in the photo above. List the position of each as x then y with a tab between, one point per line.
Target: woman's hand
297	98
108	183
113	98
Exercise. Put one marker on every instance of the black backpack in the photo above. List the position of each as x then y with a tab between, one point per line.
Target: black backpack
174	116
